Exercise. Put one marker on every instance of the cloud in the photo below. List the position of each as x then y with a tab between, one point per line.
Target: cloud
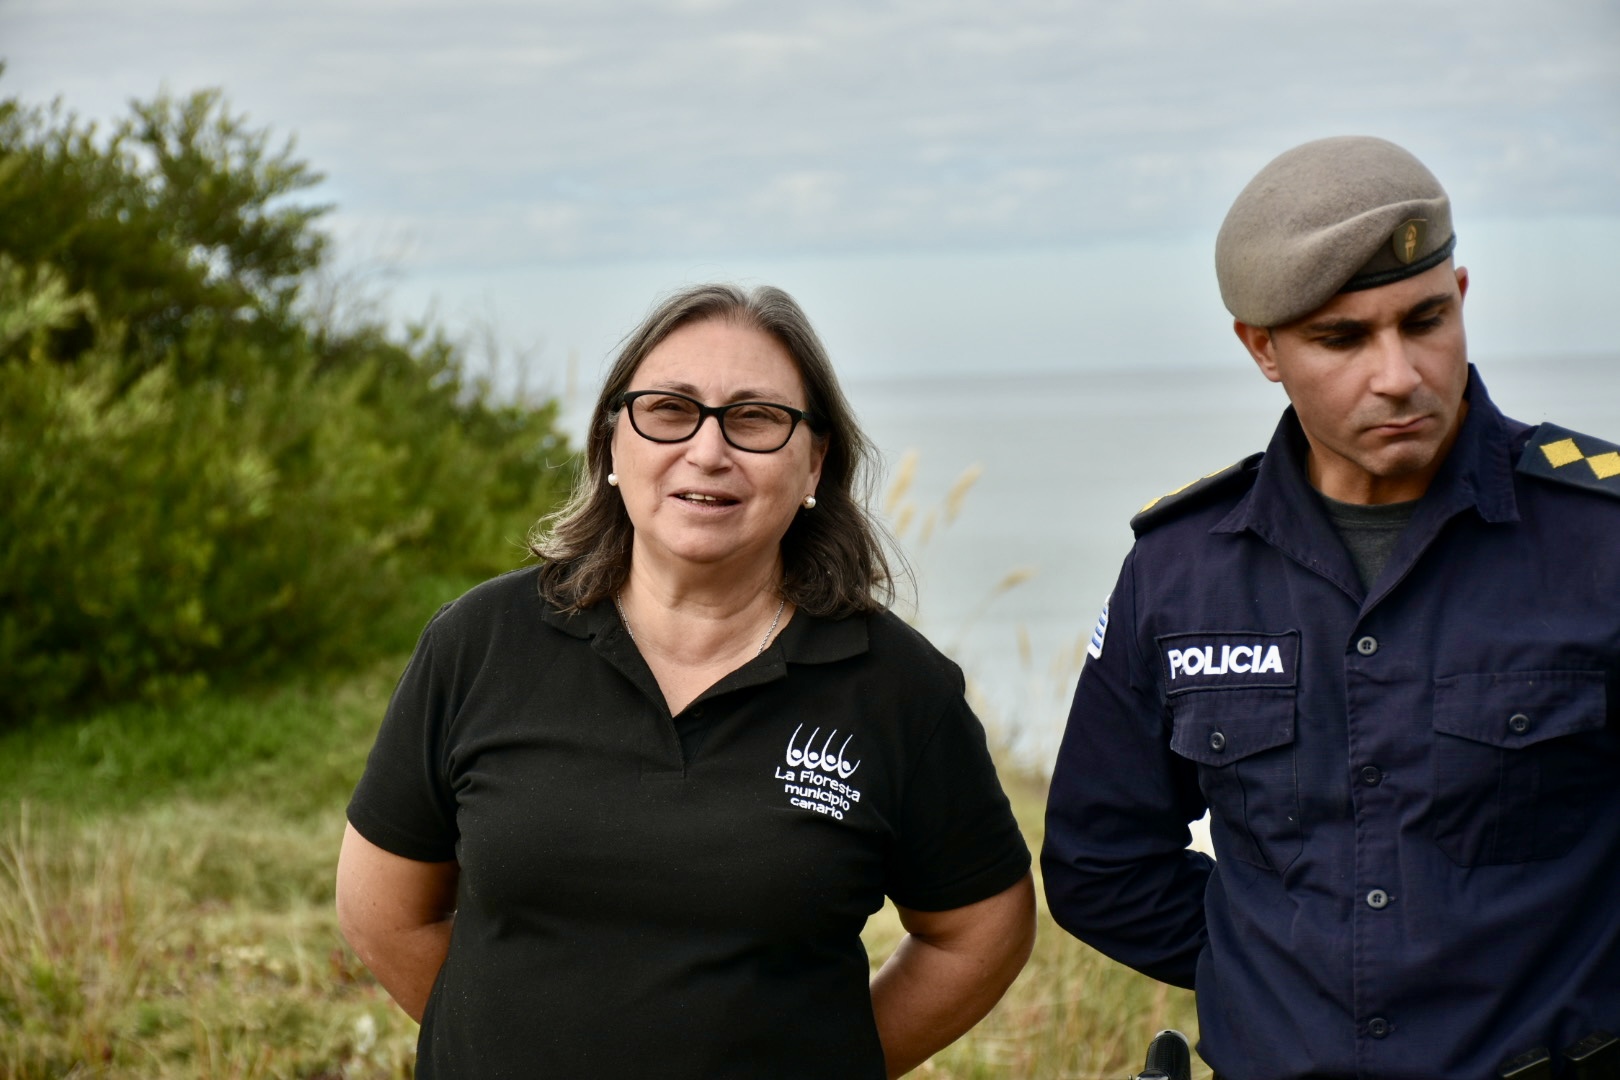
502	132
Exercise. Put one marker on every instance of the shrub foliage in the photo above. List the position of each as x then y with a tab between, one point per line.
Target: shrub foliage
199	476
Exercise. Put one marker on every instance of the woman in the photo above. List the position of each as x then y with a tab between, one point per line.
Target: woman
630	808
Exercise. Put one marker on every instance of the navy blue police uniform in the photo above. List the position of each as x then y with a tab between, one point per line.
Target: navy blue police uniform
1414	787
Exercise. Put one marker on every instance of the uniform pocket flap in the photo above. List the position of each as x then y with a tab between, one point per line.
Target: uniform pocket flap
1219	727
1512	709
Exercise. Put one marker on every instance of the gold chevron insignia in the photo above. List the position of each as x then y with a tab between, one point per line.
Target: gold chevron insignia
1565	452
1562	452
1171	494
1157	499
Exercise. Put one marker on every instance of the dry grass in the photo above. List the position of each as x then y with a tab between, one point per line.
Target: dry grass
197	940
166	910
184	942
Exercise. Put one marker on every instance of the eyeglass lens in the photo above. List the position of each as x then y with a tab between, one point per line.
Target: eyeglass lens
747	425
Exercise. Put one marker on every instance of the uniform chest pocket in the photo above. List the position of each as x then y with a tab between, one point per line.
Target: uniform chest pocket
1520	759
1243	742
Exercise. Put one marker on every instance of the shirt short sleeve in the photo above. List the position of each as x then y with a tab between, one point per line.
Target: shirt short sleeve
403	802
957	841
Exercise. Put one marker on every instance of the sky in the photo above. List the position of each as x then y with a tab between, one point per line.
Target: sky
949	186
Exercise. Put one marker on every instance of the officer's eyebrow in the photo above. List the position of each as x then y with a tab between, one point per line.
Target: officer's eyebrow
1427	306
1341	325
1345	325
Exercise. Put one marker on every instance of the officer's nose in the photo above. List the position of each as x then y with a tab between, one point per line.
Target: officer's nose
1395	373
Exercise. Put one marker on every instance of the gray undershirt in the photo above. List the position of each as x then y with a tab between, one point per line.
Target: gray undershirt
1369	532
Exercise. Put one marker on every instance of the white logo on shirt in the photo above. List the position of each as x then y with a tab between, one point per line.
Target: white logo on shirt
809	782
824	759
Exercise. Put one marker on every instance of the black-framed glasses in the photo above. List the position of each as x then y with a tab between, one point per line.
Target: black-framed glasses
759	427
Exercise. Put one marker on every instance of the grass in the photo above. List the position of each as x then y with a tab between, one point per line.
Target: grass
166	892
166	909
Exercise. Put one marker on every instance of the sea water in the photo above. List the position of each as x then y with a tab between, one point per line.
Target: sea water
1043	473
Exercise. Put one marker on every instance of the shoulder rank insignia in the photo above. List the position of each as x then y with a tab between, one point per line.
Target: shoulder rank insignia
1188	495
1569	457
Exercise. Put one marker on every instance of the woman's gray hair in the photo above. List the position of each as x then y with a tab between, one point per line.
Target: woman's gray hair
833	558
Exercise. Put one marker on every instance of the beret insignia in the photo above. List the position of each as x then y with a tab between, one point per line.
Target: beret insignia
1567	457
1168	505
1408	240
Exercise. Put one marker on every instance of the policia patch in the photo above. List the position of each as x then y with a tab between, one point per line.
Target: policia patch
1567	457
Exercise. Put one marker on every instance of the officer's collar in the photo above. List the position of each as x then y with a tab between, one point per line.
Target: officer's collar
1479	470
1477	473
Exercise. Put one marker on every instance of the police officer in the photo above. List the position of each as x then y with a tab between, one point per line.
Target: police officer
1385	655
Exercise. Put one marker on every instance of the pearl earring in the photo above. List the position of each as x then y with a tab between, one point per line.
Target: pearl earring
613	479
809	502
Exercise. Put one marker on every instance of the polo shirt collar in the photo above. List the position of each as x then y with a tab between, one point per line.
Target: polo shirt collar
584	624
807	639
816	639
804	640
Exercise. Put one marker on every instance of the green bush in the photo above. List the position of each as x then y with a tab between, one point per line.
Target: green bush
180	211
198	479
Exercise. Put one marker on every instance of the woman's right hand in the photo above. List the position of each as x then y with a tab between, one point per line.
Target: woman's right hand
396	914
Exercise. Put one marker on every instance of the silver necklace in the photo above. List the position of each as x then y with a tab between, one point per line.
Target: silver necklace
766	640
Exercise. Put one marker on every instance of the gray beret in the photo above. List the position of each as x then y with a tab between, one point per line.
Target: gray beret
1331	216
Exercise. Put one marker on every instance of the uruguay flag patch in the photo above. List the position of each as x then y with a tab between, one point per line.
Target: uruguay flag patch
1098	633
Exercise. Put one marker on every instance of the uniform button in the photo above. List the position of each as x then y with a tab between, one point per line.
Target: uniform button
1518	723
1367	645
1371	776
1378	1027
1378	899
1217	741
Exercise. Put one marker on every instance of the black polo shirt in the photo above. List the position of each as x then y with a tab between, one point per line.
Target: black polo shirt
632	907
